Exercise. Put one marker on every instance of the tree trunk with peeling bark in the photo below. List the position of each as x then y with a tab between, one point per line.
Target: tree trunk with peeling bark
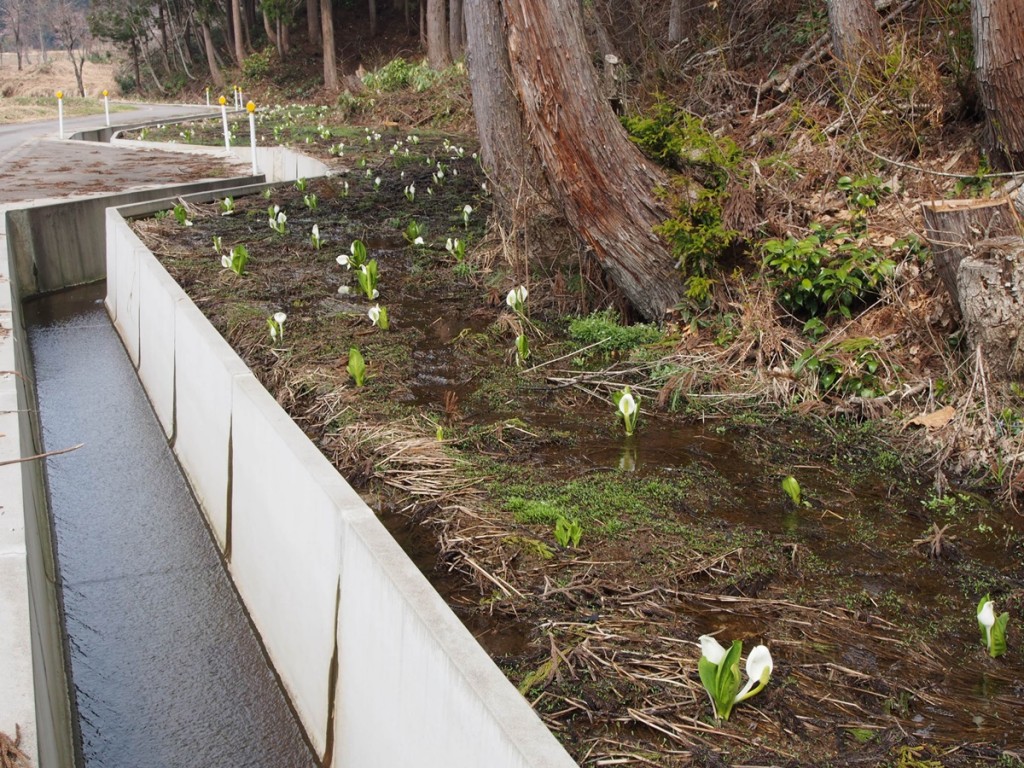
998	29
511	163
603	184
856	31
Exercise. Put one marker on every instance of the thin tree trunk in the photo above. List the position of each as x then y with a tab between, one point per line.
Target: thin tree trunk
856	31
998	27
236	26
372	8
211	56
268	28
327	30
313	22
437	34
510	161
423	23
675	22
456	28
603	183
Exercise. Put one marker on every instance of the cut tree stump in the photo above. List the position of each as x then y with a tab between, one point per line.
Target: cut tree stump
954	226
990	282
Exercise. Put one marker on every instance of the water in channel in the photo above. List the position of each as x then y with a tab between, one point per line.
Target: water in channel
165	666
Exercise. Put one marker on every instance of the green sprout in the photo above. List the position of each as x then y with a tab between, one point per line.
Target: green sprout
356	366
568	532
792	489
301	184
367	277
236	259
227	206
181	215
310	200
522	349
314	237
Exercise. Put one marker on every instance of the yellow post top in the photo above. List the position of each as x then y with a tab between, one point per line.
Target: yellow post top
104	92
222	101
251	106
60	94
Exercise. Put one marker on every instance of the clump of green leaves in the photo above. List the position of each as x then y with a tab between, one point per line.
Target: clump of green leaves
568	531
697	232
849	367
398	74
828	272
603	328
792	488
181	215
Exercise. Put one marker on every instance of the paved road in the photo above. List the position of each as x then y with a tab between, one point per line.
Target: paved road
13	134
34	164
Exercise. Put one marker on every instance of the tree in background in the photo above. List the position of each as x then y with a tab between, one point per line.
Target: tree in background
72	29
998	29
856	32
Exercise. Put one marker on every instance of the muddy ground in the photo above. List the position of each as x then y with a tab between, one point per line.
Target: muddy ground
865	591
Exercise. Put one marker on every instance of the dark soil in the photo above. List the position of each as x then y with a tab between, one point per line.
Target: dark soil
471	460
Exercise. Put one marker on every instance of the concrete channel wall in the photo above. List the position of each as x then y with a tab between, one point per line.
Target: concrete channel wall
34	704
378	668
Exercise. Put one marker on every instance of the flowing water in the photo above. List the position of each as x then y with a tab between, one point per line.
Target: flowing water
165	666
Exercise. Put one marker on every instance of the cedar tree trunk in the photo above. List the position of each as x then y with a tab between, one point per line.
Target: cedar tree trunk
998	27
456	44
313	22
510	162
602	182
327	30
856	31
437	34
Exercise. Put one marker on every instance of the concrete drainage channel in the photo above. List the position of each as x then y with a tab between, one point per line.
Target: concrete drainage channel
374	664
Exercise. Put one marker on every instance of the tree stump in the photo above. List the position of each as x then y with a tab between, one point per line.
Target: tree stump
953	226
990	283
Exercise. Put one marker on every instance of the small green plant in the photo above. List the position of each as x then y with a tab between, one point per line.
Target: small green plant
275	325
720	673
414	233
355	258
863	192
301	184
849	367
522	349
826	273
516	299
993	629
314	237
256	65
603	330
236	259
277	219
311	201
568	531
466	211
457	248
628	407
227	206
181	215
367	277
410	192
379	316
792	488
218	243
356	366
978	184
